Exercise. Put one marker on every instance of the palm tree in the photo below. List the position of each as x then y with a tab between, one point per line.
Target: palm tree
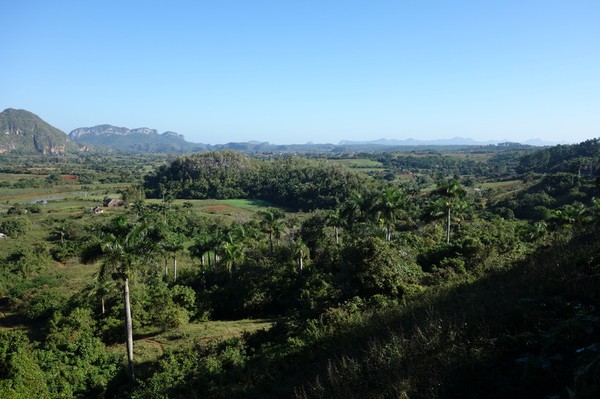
300	251
59	233
139	207
335	219
358	210
272	224
201	247
453	192
101	286
538	230
389	204
123	248
172	243
571	214
233	255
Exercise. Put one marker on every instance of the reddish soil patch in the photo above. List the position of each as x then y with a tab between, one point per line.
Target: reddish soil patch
70	177
26	195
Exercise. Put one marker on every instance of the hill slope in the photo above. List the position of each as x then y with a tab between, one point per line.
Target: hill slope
24	132
582	158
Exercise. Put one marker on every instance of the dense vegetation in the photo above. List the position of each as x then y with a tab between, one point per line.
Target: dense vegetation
376	275
294	183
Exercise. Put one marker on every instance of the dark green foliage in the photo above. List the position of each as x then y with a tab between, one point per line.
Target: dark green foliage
22	209
374	268
20	374
580	159
14	227
213	370
207	175
43	304
292	182
76	358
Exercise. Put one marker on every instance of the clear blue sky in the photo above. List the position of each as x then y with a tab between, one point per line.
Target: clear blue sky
298	71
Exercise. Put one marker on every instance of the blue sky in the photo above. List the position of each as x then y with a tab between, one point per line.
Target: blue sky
300	71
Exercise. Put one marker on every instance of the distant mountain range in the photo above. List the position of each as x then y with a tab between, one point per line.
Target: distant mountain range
24	132
440	142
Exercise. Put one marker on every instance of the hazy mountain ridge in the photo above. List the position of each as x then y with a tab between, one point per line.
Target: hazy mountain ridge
442	142
24	132
141	139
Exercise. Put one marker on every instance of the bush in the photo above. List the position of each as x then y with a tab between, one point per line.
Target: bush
14	227
43	304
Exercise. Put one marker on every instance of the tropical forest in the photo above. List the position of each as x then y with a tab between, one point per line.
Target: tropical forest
346	272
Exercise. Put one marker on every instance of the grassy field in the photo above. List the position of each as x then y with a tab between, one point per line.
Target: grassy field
360	164
150	344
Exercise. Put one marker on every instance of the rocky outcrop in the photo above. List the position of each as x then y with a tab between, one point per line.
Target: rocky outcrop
142	139
24	132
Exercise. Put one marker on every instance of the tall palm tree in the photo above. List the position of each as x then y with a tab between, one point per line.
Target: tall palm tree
172	243
453	192
233	255
336	220
272	224
201	247
101	286
389	204
123	248
300	250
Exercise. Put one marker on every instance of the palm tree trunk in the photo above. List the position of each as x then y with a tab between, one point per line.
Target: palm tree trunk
174	268
166	266
337	235
300	261
448	228
129	327
102	301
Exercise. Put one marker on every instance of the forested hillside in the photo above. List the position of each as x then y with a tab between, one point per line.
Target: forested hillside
223	275
23	132
582	158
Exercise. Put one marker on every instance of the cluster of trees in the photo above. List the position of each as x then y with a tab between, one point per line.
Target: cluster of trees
547	197
293	183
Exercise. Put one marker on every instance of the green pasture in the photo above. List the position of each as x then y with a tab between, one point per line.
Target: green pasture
359	163
150	344
504	185
483	157
14	177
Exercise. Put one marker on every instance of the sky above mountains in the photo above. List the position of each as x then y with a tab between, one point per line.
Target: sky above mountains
319	71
